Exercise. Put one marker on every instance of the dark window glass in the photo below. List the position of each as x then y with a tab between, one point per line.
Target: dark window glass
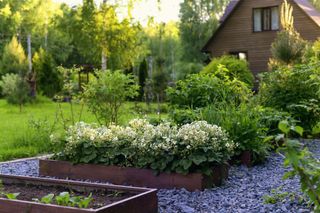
265	19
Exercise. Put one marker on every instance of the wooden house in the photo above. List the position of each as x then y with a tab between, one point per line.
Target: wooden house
249	27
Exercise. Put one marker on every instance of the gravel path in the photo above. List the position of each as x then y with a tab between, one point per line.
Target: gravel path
242	192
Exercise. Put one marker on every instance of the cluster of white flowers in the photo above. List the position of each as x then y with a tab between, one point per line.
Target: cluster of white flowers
145	137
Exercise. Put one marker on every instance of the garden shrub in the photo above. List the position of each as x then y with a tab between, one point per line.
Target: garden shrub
270	119
243	125
200	90
295	90
187	68
106	95
235	68
15	89
288	47
306	112
184	116
195	147
49	80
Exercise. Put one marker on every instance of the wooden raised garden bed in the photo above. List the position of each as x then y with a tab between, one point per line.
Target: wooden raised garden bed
133	176
106	198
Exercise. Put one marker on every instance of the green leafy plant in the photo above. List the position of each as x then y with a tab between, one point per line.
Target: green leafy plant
289	47
294	90
234	69
12	196
278	196
85	202
63	199
201	90
194	147
105	95
15	89
48	199
184	116
48	78
303	163
243	125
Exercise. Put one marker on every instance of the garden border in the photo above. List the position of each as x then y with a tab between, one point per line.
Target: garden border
145	201
133	176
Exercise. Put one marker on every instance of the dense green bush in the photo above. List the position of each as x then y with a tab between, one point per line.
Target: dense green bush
184	116
195	147
186	68
105	95
200	90
288	47
49	80
15	89
295	90
270	119
235	68
243	125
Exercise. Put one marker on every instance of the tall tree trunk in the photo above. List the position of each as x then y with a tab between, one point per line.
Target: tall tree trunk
103	56
103	62
29	53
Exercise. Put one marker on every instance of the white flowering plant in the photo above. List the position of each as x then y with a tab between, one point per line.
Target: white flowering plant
195	147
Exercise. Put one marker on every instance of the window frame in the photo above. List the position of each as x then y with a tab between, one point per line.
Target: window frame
262	18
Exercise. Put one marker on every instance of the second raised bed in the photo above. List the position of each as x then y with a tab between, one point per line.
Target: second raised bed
133	176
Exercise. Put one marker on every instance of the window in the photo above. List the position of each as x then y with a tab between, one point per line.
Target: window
265	19
240	55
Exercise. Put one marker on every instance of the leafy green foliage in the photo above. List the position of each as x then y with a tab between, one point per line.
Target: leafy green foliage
184	116
45	199
243	125
187	68
200	90
278	196
270	118
303	163
294	90
194	147
13	58
63	199
235	69
12	196
197	23
106	95
288	47
15	89
66	199
48	78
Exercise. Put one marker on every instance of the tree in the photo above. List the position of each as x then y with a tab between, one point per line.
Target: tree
13	58
198	21
48	78
15	89
106	95
289	47
143	75
117	40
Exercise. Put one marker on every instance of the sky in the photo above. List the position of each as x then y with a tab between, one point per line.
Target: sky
146	8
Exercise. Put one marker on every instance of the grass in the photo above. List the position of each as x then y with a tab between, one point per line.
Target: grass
25	134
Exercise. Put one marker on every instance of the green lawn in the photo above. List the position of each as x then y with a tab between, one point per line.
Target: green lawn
18	139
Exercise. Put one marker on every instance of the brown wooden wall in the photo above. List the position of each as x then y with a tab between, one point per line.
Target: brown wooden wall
237	33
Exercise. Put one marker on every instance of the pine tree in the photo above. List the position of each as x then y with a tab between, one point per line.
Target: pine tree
13	58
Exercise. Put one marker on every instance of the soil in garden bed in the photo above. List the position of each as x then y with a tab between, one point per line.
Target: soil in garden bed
29	192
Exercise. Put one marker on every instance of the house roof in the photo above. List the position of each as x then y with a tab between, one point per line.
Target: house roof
305	5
